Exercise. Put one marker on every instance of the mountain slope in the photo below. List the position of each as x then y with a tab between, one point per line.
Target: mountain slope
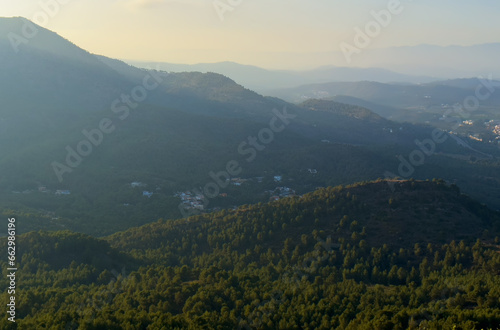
174	138
382	110
58	65
435	212
333	259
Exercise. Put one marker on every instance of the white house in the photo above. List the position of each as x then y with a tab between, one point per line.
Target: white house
63	192
147	194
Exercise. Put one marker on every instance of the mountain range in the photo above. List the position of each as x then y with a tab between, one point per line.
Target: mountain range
263	80
412	64
152	199
397	95
444	62
90	126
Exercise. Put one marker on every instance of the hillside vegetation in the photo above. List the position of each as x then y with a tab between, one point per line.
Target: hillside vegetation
377	255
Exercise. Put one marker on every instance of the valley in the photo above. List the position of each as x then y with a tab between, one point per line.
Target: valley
153	195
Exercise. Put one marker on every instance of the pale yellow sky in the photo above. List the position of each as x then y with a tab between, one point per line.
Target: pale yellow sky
267	33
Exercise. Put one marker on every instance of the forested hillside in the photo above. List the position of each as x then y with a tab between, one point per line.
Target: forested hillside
376	255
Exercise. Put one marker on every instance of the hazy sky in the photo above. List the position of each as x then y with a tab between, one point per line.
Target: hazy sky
268	33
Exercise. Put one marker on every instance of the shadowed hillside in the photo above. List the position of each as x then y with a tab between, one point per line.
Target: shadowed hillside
364	256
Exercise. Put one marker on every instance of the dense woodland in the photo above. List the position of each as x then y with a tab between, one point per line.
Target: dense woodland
377	255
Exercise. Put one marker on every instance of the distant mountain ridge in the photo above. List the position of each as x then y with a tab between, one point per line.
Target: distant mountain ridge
177	134
262	80
408	64
396	95
453	61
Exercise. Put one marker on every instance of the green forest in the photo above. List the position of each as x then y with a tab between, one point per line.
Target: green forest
374	255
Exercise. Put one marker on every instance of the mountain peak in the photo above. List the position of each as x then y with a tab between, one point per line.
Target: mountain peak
21	34
11	24
12	20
